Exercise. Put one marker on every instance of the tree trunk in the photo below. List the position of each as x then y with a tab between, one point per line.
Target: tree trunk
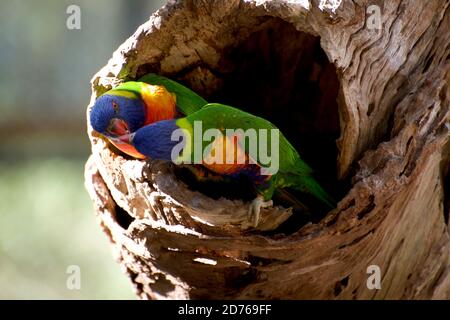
323	74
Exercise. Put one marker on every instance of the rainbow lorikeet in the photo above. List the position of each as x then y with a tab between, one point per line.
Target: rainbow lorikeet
133	104
233	131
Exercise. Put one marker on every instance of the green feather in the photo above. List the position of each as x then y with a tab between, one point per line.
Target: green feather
128	89
293	171
187	100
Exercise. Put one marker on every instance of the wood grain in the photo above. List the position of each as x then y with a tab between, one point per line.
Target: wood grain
383	93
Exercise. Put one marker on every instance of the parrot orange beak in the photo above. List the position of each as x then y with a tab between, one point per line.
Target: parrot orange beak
124	144
120	136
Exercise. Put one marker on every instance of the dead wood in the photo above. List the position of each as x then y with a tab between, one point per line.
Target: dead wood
320	74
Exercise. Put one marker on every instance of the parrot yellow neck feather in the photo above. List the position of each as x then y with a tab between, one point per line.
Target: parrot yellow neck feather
160	103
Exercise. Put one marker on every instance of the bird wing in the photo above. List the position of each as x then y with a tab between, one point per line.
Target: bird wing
215	115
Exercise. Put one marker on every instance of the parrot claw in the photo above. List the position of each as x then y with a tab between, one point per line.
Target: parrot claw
255	209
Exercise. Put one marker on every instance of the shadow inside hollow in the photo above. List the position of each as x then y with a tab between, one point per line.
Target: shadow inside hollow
283	75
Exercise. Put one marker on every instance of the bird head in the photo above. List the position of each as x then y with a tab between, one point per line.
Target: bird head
117	114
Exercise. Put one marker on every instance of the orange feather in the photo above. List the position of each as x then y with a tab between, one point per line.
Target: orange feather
160	103
237	159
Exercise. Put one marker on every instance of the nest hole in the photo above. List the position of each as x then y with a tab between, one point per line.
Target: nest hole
283	75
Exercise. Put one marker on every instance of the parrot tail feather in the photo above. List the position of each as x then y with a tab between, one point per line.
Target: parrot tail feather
311	186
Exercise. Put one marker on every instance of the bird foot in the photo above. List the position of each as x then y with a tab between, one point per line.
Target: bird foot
255	209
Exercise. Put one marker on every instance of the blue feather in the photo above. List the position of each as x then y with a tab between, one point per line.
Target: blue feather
155	140
132	111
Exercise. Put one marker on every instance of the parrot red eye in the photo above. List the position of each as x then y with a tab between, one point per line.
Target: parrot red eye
115	107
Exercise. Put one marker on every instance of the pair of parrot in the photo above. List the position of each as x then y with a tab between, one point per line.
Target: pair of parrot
140	117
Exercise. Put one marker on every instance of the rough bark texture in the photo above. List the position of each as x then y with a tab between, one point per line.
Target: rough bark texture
384	93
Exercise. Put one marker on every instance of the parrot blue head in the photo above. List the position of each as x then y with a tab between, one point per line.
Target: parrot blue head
115	115
155	140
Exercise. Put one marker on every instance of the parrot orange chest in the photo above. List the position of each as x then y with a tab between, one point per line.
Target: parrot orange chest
160	103
226	156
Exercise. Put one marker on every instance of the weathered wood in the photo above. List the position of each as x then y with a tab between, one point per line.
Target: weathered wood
390	89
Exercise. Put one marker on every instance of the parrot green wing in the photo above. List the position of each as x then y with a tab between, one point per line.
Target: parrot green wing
187	100
293	171
215	115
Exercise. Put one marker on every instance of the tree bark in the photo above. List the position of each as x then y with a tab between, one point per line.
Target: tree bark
320	73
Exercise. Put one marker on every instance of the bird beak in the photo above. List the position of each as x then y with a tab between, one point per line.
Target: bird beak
125	144
115	140
119	127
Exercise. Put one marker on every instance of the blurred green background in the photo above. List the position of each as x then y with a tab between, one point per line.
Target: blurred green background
47	221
